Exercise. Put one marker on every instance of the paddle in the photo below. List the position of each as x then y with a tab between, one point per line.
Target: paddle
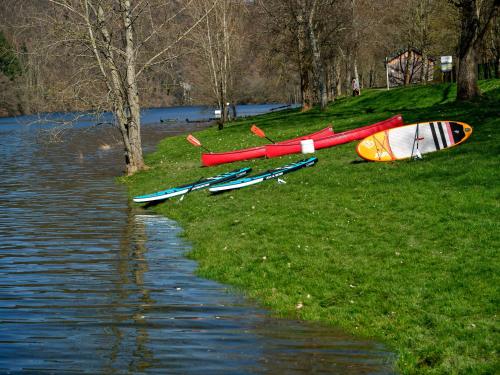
192	186
195	142
415	152
259	133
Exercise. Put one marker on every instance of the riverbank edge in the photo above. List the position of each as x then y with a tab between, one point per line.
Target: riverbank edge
293	277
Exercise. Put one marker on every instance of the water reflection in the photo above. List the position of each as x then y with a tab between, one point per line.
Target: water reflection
131	268
197	326
91	285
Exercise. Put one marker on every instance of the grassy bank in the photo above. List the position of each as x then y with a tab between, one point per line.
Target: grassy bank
404	252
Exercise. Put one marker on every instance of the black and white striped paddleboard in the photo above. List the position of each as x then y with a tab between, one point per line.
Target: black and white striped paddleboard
413	140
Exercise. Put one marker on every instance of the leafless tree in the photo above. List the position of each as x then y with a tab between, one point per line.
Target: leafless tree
288	21
215	45
118	43
106	54
307	28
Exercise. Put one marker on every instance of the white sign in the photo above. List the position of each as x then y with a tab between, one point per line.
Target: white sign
446	63
217	113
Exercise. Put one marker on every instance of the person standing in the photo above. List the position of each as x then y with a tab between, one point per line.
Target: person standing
355	87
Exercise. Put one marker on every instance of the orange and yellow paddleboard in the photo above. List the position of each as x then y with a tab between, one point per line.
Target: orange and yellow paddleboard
413	140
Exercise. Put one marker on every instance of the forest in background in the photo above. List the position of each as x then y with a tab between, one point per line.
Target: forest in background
304	51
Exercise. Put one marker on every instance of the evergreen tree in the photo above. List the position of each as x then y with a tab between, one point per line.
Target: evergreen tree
9	63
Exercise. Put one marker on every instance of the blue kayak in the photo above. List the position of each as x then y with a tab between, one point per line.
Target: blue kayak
200	184
272	173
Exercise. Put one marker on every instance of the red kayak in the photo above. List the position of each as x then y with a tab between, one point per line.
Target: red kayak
215	158
272	151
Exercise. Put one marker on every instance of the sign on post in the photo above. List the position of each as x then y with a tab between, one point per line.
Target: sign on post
446	64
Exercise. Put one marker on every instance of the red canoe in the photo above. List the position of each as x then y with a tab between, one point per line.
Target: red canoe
215	158
275	150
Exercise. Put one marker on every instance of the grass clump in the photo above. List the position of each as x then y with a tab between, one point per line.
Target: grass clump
405	252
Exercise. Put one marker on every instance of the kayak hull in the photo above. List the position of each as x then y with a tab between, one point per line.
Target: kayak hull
216	158
273	151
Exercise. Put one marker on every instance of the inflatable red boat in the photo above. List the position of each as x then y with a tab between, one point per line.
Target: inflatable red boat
275	150
215	158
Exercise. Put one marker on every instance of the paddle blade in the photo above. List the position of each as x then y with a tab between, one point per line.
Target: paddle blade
257	131
193	140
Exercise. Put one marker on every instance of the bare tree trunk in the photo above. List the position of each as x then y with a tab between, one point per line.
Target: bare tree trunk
474	24
424	69
209	49
355	67
134	158
223	107
348	75
305	89
495	44
329	83
467	87
305	84
125	100
225	70
407	68
355	41
338	78
233	111
319	74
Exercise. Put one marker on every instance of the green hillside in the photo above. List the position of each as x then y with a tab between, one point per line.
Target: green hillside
405	252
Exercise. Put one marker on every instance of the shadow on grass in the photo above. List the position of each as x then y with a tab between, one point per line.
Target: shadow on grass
359	161
446	93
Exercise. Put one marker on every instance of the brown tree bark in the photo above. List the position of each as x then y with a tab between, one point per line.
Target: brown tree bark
134	158
338	78
306	91
319	73
407	67
355	41
474	24
304	61
467	87
424	73
125	98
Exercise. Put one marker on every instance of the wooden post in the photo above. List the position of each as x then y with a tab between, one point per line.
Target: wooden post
387	72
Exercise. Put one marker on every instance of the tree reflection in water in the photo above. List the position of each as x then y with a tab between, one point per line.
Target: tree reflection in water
178	322
90	285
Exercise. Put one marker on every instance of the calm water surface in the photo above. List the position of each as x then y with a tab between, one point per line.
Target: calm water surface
89	284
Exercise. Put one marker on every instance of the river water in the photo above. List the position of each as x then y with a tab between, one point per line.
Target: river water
90	284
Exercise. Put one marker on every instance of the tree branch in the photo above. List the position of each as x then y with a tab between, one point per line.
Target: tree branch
183	35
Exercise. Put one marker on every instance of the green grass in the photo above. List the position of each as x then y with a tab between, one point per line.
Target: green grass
403	252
